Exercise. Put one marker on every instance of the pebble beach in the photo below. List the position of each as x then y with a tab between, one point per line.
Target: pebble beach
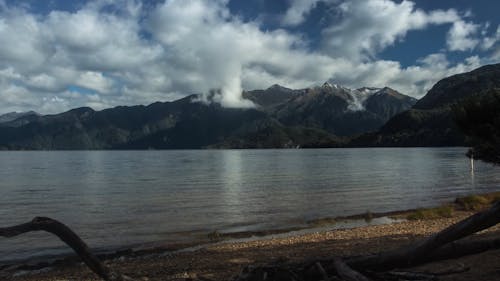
224	260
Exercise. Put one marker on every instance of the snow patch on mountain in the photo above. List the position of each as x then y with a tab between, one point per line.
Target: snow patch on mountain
357	96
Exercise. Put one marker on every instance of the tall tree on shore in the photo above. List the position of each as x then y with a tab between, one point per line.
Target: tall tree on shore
479	118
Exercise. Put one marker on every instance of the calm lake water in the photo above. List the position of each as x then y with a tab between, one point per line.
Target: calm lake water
119	198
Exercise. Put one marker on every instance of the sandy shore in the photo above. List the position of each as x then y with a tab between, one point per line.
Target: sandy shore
223	261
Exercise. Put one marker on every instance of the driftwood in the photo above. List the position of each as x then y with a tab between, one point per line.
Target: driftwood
67	236
347	273
322	271
440	246
418	253
400	275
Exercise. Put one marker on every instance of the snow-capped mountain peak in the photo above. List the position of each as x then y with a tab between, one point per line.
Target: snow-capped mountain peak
333	86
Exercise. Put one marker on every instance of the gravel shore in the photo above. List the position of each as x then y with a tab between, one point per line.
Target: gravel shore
222	261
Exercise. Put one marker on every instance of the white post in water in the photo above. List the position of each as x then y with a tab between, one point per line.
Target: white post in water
472	163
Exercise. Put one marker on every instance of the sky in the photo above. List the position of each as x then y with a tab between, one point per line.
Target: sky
57	54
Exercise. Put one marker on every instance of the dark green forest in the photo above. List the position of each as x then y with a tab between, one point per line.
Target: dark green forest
479	118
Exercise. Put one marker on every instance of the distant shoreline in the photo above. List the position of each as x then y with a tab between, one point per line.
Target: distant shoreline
229	148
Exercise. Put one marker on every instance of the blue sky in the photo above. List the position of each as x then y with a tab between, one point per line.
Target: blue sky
59	54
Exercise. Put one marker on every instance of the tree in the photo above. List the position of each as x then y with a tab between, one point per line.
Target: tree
479	118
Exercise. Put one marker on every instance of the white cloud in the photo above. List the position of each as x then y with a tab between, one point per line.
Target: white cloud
24	42
43	82
490	42
438	59
208	47
461	36
367	27
95	81
495	57
127	54
297	12
413	80
99	41
212	49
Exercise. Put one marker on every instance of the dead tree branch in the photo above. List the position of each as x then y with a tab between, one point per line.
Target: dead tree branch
347	273
442	245
67	236
420	252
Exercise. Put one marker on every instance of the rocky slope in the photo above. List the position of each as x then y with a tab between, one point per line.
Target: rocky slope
336	109
15	119
430	121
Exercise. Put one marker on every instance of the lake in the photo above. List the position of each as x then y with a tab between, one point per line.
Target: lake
120	198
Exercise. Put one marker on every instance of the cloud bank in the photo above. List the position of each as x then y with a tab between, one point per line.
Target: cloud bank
109	53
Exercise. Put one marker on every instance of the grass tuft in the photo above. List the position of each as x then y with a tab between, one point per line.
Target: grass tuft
322	222
368	216
477	202
432	213
214	236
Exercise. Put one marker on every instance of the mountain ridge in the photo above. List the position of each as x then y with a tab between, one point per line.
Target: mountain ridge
189	123
11	117
340	110
430	121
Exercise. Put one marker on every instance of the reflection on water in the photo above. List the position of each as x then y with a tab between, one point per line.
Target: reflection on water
116	198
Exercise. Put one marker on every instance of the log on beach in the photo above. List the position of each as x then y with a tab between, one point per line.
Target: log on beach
387	265
439	246
69	237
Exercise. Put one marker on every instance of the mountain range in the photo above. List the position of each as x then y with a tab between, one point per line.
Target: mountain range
12	116
323	116
282	117
333	108
430	122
